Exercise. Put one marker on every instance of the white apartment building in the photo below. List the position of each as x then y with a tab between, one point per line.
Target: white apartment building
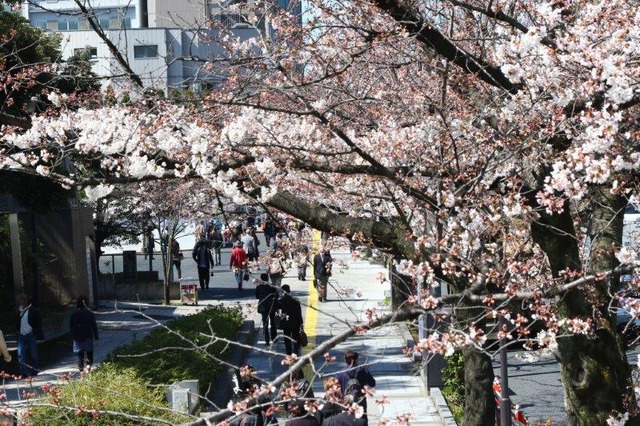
164	41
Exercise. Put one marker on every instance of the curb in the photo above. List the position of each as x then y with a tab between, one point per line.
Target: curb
223	390
442	407
434	393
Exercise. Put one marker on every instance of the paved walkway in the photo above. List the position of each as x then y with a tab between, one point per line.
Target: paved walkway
354	290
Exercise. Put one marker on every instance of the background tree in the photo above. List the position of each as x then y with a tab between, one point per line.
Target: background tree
117	220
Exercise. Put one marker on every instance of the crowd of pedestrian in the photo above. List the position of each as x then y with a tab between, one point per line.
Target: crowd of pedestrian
344	402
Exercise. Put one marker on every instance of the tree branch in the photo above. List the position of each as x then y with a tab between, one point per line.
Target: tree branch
428	35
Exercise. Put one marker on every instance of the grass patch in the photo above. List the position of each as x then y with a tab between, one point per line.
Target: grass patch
131	389
164	357
108	396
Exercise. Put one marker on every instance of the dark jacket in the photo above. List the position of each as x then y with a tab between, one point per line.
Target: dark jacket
217	239
322	265
35	321
328	409
202	255
361	373
307	420
266	295
82	325
364	378
290	307
344	419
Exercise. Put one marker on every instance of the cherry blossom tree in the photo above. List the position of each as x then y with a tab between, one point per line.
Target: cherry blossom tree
492	147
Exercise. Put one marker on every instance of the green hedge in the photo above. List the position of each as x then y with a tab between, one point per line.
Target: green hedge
453	390
135	382
163	357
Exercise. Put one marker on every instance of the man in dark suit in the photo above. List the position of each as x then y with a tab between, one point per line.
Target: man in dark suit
267	307
322	262
292	321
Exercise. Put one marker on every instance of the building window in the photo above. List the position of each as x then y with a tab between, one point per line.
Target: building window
41	24
62	25
73	24
145	51
104	22
114	23
83	24
52	25
93	52
119	23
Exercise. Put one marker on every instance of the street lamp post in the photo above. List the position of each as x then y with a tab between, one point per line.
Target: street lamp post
505	401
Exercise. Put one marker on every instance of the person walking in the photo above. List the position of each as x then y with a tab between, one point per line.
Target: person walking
217	241
354	379
345	418
276	267
238	263
296	390
176	256
269	231
267	307
302	260
249	245
292	322
202	256
329	405
29	331
84	332
322	263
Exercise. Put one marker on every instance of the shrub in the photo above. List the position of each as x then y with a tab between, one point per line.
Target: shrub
163	357
132	388
453	390
102	398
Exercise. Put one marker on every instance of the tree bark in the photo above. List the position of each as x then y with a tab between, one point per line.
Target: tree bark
479	404
594	371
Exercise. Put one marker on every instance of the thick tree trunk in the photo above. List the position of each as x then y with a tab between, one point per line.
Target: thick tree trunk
479	405
595	372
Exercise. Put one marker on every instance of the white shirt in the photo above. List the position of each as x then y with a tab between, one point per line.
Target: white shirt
25	328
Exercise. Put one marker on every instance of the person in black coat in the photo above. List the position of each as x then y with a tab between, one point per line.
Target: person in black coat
267	307
322	263
204	259
29	331
84	332
300	417
344	419
292	321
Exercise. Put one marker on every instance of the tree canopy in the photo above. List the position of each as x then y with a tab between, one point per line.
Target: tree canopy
492	148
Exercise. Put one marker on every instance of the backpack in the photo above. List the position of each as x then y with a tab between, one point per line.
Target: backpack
203	260
354	388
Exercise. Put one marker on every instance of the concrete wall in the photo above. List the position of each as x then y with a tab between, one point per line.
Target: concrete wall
112	287
176	14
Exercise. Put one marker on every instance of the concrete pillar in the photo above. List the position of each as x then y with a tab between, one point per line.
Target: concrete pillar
16	256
